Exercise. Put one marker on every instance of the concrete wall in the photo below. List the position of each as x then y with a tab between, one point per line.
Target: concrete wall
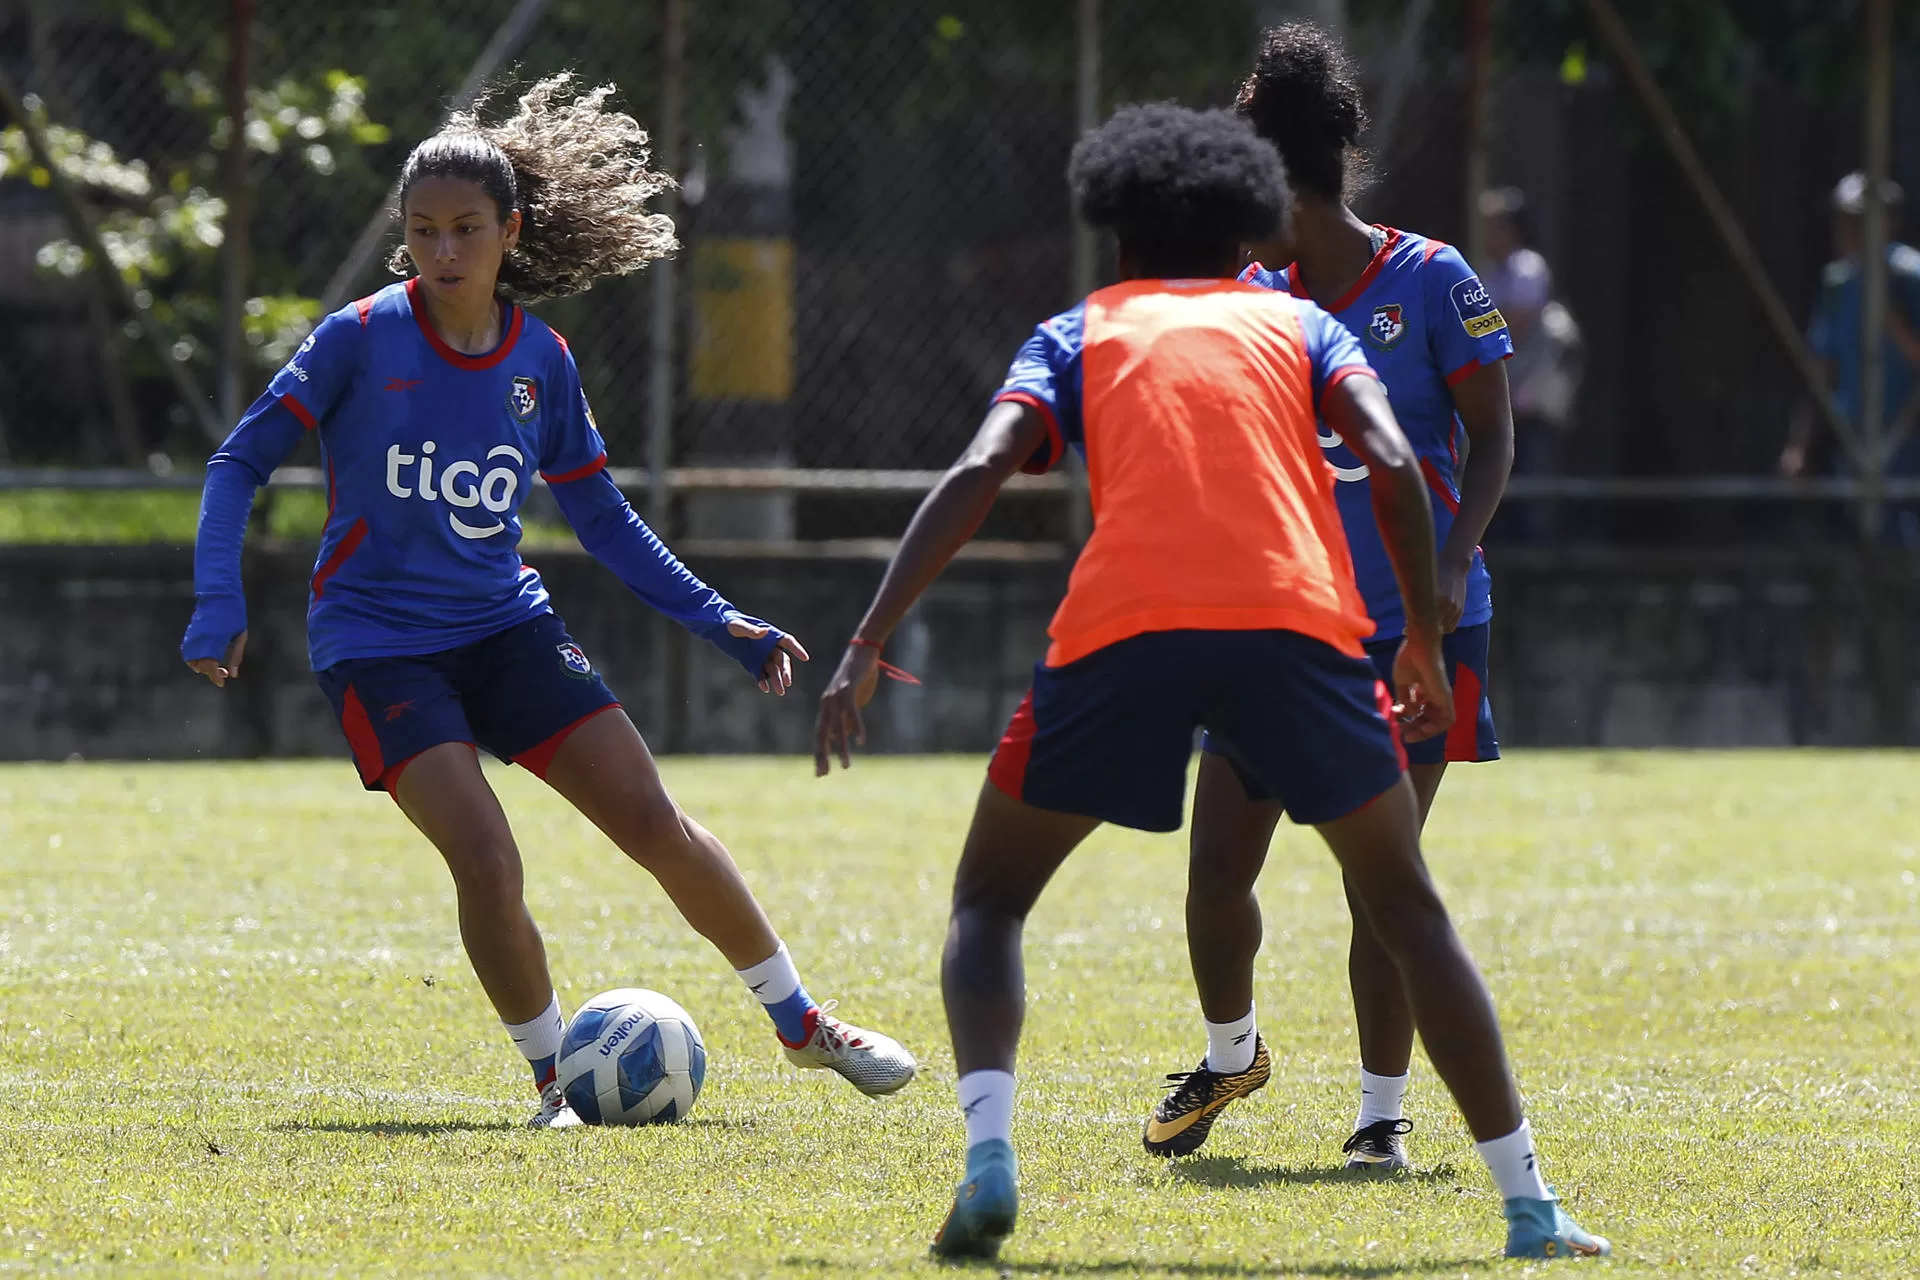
1652	649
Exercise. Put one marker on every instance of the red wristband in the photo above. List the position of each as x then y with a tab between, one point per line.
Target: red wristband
886	668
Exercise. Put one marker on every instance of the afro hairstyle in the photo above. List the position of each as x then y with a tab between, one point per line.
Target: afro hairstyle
1304	98
1181	189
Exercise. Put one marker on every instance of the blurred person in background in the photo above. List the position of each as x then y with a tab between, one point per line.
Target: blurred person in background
1834	334
1544	375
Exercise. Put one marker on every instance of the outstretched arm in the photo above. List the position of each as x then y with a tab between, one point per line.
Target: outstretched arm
1357	409
1481	398
948	517
615	535
216	638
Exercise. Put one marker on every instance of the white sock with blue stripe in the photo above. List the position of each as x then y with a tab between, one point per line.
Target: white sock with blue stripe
538	1041
775	983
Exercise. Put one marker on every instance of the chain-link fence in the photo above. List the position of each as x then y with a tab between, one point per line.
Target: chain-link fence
872	208
873	214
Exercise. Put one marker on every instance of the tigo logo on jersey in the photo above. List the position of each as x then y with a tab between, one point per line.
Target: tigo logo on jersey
461	485
1387	325
1478	316
524	398
574	659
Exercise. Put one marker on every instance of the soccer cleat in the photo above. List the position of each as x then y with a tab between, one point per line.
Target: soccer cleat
984	1205
1542	1229
1377	1147
554	1113
1181	1121
873	1063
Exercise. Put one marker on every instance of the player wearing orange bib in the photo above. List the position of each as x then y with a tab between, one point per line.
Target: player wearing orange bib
1216	592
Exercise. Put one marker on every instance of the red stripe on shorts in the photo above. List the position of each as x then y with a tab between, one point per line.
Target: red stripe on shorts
538	759
361	738
1383	697
1008	769
1463	739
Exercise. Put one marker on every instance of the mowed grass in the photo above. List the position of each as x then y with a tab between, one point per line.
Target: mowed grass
237	1033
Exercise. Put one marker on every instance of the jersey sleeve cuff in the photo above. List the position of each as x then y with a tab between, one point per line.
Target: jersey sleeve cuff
578	473
1472	367
1341	374
1048	456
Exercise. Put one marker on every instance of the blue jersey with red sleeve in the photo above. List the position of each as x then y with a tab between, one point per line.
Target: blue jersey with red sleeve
1426	323
429	454
1046	372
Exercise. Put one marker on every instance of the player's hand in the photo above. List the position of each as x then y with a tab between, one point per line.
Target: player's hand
1424	697
839	726
777	676
1793	461
224	669
1452	594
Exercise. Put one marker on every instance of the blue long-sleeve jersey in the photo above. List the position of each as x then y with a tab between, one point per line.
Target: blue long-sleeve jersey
1426	324
429	454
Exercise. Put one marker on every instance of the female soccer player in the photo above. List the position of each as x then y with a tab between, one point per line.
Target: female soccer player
435	401
1439	345
1216	592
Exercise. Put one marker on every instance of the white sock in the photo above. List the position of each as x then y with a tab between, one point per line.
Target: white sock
773	979
1230	1045
1380	1098
539	1037
986	1102
1515	1168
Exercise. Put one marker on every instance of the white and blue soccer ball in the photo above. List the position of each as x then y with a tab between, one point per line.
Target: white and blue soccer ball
632	1057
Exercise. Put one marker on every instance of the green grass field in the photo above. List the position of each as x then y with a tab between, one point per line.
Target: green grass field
237	1033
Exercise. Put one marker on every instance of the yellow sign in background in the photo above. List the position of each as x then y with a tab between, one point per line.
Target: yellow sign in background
743	320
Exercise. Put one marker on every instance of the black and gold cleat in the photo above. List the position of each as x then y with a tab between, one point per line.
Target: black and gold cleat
1181	1121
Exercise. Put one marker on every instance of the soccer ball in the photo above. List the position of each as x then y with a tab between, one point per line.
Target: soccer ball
631	1057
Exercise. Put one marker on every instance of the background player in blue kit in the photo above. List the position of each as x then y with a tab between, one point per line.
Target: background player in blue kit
1438	344
435	402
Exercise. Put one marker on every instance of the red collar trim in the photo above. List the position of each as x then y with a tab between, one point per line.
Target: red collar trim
1352	295
516	320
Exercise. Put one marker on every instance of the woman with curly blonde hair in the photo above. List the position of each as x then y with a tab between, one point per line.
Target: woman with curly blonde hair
435	401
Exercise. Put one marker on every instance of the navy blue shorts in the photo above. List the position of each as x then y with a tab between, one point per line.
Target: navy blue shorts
518	693
1109	736
1471	740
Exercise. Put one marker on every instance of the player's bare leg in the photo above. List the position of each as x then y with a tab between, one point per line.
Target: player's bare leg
1231	835
1384	1021
605	770
443	793
1012	850
1379	851
1378	847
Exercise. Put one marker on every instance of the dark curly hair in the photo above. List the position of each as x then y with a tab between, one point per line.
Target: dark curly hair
1304	98
1181	189
575	170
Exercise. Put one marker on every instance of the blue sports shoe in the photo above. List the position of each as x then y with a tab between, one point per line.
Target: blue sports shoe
984	1206
1542	1229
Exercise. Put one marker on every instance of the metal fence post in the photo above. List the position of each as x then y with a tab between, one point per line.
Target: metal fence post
1873	263
233	294
1479	87
669	675
1086	243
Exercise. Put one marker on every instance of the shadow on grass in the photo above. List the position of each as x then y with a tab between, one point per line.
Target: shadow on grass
1137	1266
398	1128
432	1128
1234	1171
